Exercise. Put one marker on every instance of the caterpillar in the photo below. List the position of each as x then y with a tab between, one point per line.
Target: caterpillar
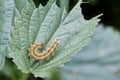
45	54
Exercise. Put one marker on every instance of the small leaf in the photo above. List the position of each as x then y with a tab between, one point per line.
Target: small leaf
44	24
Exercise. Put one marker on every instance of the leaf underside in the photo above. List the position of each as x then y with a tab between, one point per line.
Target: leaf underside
44	24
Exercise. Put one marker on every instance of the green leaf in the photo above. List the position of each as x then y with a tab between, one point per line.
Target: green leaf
99	60
20	4
6	8
20	38
8	20
2	32
44	24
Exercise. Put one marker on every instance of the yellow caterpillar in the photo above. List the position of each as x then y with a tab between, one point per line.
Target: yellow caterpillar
41	56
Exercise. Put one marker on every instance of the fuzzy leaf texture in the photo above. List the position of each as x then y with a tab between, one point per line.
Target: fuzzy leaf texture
6	9
44	24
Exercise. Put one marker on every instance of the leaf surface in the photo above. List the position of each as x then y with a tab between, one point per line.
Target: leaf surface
44	24
6	9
